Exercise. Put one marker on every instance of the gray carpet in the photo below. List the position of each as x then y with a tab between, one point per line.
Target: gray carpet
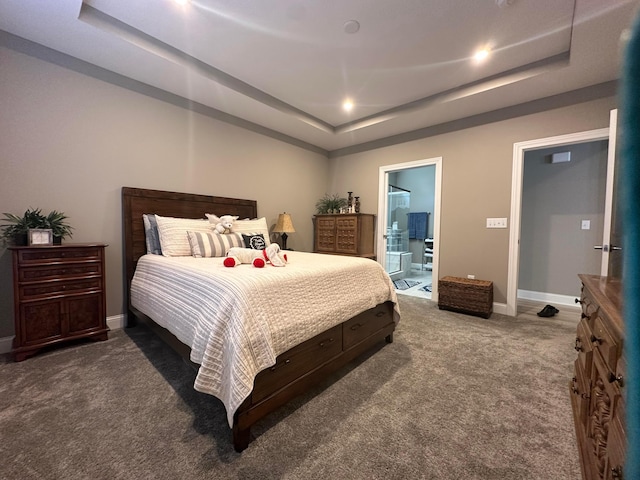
454	397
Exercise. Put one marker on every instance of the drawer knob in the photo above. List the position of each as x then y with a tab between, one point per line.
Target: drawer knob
325	342
574	389
273	369
595	339
616	378
584	315
381	313
577	300
356	326
578	346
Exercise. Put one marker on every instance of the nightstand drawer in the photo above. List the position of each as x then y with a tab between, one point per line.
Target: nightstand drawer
48	289
57	254
36	273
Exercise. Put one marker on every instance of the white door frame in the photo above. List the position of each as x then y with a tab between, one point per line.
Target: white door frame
519	150
383	180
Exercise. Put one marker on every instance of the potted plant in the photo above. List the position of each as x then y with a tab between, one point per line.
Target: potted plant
16	228
56	222
330	203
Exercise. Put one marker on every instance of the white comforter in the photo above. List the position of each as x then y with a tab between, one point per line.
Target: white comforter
238	320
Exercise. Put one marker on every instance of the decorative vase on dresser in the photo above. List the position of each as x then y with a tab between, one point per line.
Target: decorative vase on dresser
59	296
597	387
345	234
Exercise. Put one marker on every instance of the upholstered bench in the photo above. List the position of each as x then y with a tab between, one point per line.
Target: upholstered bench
465	295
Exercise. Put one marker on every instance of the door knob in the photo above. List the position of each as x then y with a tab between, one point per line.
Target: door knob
615	248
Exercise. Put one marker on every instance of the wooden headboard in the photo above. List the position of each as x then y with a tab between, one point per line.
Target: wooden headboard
138	201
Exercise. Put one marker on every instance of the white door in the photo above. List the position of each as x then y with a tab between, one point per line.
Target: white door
383	213
611	248
519	150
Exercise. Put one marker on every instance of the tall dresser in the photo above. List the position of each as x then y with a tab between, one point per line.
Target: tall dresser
597	387
345	234
59	295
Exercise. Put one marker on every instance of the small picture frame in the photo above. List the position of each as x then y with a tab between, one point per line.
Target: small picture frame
40	236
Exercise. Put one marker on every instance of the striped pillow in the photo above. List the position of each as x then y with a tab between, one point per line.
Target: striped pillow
213	244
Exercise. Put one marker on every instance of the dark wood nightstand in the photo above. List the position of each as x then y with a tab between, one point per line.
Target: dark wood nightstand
59	295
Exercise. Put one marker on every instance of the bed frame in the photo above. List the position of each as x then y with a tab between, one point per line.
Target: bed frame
296	370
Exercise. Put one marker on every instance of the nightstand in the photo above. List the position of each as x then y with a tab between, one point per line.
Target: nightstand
59	296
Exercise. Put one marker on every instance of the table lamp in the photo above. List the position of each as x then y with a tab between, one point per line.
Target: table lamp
284	225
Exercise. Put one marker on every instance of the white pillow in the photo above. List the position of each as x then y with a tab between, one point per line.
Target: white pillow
213	244
174	240
257	225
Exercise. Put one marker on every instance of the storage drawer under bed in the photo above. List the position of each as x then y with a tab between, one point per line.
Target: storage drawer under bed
297	361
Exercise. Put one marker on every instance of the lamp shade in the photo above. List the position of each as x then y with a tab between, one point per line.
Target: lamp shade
284	224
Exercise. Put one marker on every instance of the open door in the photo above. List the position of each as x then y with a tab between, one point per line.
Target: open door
612	234
609	233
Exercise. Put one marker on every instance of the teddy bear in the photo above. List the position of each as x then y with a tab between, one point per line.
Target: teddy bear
258	258
222	224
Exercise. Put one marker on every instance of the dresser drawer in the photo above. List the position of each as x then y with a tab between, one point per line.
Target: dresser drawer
297	361
364	325
616	446
35	273
48	289
604	341
57	254
589	307
580	388
584	347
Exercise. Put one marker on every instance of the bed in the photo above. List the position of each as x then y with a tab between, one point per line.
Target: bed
257	337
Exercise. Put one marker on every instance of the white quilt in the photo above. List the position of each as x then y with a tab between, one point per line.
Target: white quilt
238	320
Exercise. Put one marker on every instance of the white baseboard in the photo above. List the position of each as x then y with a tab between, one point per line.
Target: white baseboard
500	308
114	322
551	298
5	344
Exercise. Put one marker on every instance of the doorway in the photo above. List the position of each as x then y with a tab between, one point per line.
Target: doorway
520	150
409	203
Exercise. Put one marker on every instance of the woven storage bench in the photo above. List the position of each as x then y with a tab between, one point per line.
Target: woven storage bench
464	295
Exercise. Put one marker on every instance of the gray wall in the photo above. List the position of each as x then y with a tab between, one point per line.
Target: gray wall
555	199
70	142
476	182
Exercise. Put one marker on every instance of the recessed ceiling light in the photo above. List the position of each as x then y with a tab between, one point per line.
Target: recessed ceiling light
181	2
347	105
481	55
351	26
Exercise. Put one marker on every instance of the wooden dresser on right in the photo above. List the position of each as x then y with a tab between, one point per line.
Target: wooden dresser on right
597	387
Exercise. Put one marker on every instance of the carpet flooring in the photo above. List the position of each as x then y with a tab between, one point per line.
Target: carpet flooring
454	397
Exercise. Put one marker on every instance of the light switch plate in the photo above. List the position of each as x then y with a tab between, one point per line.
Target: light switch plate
586	224
496	223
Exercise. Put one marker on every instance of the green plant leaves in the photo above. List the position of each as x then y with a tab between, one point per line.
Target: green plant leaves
14	225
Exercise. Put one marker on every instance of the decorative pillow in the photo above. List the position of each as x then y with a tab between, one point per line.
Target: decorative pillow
174	240
212	244
251	227
151	234
254	241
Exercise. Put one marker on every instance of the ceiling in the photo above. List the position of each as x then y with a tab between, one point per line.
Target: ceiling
284	67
